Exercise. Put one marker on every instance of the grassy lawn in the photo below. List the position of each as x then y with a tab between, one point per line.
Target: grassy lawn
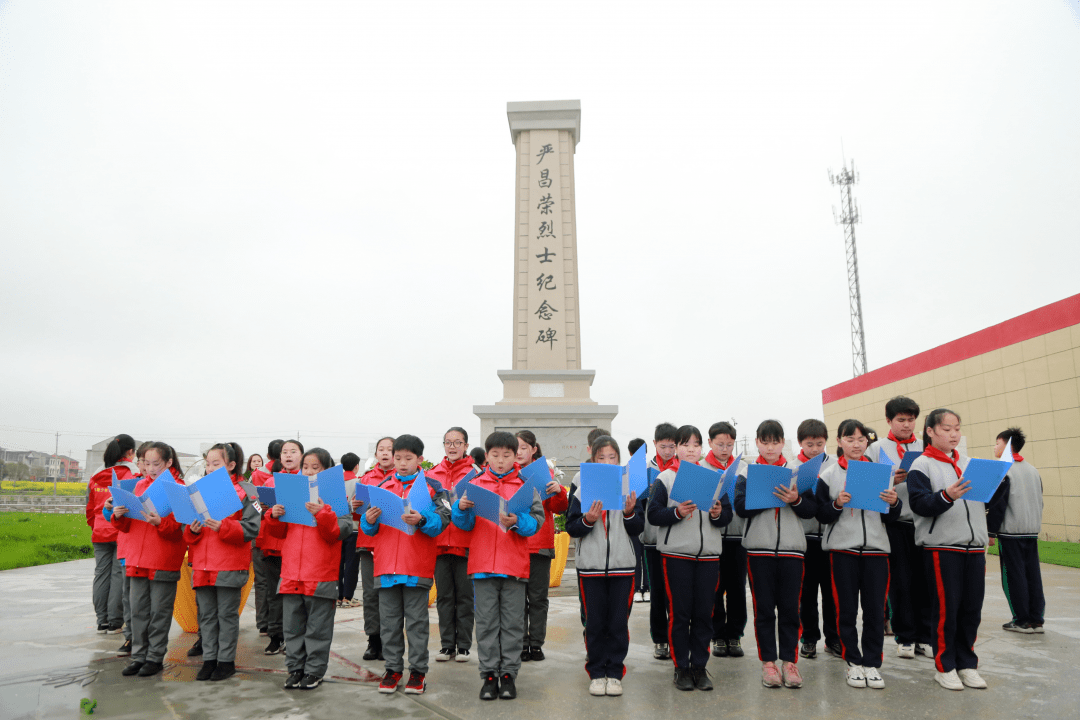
1055	553
41	538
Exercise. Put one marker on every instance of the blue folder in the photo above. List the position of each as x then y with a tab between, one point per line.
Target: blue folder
637	474
392	507
651	474
180	503
729	479
808	473
695	483
865	483
156	493
488	504
456	490
122	498
128	484
985	476
331	485
293	493
537	472
419	497
356	490
217	493
761	483
601	482
267	497
909	457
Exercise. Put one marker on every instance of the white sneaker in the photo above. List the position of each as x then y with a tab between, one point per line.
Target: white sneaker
873	678
855	677
949	680
614	686
905	651
598	686
924	649
972	678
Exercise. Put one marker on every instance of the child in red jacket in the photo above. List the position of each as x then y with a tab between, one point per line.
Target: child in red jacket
270	547
108	570
154	554
308	585
541	551
220	555
384	465
258	477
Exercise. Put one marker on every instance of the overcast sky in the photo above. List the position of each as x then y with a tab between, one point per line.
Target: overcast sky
229	220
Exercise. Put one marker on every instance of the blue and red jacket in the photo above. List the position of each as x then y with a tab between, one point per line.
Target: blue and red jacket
149	549
98	494
544	539
453	540
374	476
310	556
492	551
269	544
404	556
228	549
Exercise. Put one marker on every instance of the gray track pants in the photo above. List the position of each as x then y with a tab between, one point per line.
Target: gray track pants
274	610
127	607
500	624
262	606
108	589
309	631
151	617
219	621
404	610
536	600
454	601
372	625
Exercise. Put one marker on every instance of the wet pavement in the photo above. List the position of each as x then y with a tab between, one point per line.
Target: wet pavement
53	660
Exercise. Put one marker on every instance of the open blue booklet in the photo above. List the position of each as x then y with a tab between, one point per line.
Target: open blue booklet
137	507
865	483
392	507
761	483
294	492
461	485
697	484
807	475
985	477
212	497
601	482
488	504
331	488
909	457
637	474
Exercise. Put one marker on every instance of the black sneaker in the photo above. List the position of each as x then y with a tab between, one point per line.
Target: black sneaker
507	689
1038	628
310	682
116	627
125	649
461	656
224	671
683	679
207	670
276	646
150	668
374	647
526	656
808	650
490	689
293	681
103	628
734	648
719	648
132	668
834	649
445	655
536	654
263	632
701	679
196	649
1016	627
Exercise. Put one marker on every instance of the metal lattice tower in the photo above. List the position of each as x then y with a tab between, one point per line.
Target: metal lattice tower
849	217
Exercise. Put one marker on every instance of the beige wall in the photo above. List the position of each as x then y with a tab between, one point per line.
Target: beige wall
1032	384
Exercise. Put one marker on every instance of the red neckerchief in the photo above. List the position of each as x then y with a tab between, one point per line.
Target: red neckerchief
803	458
780	461
716	463
672	464
843	462
900	449
933	452
1017	457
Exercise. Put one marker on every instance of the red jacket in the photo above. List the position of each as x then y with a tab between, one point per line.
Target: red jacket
544	539
453	540
397	553
97	493
269	544
212	552
491	549
374	476
150	549
309	555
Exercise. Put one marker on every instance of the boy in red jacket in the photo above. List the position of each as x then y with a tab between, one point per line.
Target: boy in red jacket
499	568
108	570
384	466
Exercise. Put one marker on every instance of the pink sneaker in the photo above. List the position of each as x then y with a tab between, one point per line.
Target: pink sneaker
770	676
792	678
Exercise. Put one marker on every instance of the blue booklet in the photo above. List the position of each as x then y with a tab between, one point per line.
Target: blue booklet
537	473
293	493
865	483
128	484
985	476
157	495
909	457
697	484
761	483
637	475
392	507
729	478
460	486
212	497
331	488
356	490
807	475
488	504
136	509
601	482
267	496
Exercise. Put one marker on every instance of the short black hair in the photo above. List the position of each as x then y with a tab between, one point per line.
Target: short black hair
633	445
349	461
321	455
770	431
464	435
594	434
665	431
500	439
901	405
602	442
687	433
409	443
479	457
812	428
1016	435
721	428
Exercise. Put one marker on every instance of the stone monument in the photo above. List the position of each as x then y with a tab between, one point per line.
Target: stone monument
546	390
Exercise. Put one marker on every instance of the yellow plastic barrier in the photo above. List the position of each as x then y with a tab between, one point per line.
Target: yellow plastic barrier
558	564
431	596
185	611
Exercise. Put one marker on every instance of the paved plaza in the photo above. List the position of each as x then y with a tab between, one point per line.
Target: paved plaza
53	658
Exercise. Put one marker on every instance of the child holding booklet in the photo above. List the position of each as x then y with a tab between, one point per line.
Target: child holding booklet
665	459
383	467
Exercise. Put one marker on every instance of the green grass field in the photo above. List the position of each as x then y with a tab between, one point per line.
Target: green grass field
28	539
1055	553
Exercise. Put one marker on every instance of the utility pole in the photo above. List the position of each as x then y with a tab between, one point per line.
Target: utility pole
56	456
849	217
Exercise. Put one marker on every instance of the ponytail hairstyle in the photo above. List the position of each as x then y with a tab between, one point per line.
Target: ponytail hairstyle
529	437
117	448
932	421
233	454
273	453
321	455
602	442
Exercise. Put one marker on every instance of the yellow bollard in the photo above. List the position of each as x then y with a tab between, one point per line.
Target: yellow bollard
558	564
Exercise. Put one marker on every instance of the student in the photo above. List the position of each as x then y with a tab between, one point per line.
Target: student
690	541
665	459
479	458
605	568
121	552
641	576
729	608
454	600
258	477
1016	521
858	549
812	435
308	585
909	600
108	570
952	532
499	568
255	462
155	553
383	467
220	553
541	551
775	543
349	568
270	546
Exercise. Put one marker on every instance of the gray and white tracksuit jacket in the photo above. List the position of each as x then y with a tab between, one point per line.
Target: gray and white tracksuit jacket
603	549
851	529
887	446
1019	514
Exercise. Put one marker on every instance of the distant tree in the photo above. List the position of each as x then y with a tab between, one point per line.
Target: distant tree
16	471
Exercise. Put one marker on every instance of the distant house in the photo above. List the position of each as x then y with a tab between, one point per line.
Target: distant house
95	458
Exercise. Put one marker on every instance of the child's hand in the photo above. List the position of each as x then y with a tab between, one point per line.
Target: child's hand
195	527
899	477
412	517
121	511
843	498
214	525
108	504
553	487
716	510
889	496
466	504
314	507
372	515
958	489
631	501
153	518
277	511
355	504
686	508
785	494
508	520
596	511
